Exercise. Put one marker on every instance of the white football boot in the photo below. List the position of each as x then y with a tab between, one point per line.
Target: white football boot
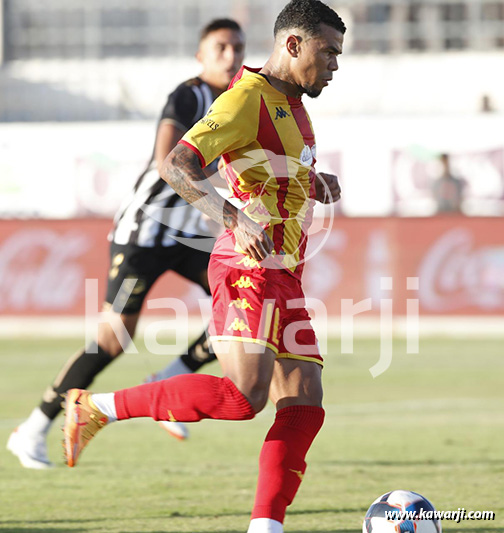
30	449
175	429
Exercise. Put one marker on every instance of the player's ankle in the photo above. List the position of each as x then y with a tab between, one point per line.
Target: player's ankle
37	424
105	403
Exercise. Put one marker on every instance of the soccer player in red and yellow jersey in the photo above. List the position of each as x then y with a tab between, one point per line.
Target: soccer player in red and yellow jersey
261	330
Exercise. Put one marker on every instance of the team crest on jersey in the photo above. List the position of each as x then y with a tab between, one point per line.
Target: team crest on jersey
306	156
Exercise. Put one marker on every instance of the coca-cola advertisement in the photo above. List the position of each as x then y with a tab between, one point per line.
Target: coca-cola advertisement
452	265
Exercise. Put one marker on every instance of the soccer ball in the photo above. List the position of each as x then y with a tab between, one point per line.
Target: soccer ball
397	503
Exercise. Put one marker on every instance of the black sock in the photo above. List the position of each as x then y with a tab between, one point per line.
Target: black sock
198	354
78	373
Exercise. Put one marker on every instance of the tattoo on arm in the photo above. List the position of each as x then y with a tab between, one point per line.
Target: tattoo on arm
183	172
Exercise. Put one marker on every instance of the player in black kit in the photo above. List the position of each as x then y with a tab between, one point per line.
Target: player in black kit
149	237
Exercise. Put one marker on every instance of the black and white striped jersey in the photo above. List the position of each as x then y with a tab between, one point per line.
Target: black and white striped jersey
153	214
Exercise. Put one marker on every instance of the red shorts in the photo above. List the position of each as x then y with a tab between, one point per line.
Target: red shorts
252	304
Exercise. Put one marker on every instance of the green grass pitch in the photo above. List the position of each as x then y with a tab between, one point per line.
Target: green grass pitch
433	423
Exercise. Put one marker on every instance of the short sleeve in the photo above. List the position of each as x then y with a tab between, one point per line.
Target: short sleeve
231	123
181	108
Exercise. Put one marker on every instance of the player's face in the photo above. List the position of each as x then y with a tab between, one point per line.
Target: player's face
318	60
221	54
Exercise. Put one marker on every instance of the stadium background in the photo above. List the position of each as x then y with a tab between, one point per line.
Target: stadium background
81	86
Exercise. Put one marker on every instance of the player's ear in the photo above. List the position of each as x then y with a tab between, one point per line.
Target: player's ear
292	45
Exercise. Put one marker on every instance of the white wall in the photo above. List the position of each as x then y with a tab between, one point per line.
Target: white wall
449	83
386	164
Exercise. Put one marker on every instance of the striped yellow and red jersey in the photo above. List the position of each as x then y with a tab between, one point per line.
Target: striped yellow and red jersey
268	147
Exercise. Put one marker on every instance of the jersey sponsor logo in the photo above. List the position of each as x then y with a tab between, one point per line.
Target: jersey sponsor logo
210	123
239	325
240	303
281	113
244	283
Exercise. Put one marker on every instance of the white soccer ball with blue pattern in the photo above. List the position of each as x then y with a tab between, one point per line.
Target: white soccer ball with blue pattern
401	511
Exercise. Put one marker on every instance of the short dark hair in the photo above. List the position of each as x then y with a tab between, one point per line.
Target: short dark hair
219	24
308	15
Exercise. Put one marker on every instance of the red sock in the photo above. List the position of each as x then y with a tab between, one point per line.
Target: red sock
281	463
185	398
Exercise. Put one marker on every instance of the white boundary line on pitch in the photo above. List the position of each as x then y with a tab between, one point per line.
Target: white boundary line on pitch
443	326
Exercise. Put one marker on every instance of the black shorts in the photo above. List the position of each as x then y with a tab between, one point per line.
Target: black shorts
145	265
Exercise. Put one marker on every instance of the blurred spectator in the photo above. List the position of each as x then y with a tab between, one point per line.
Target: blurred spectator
487	104
448	190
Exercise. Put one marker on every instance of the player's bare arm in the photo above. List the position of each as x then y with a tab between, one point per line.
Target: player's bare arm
327	189
167	138
183	172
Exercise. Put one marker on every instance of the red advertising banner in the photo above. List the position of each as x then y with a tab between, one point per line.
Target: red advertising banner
452	265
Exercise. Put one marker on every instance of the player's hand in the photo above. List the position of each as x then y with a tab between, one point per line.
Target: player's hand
252	238
327	189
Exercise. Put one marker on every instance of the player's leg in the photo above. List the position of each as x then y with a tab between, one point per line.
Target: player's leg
126	290
239	395
296	391
81	369
193	265
198	354
29	440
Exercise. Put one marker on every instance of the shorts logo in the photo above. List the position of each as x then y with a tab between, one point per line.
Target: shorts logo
244	283
171	418
134	285
240	303
239	325
281	113
116	262
249	262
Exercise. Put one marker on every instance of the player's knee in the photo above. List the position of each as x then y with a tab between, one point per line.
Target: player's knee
258	397
111	344
115	335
